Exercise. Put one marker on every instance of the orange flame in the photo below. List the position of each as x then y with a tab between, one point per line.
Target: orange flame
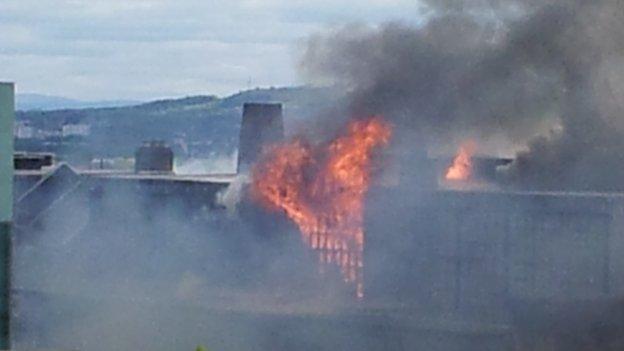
322	190
461	169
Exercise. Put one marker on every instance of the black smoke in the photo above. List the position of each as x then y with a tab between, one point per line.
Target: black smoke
545	75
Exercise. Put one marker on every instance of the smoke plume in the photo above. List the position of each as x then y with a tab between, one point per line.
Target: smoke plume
545	75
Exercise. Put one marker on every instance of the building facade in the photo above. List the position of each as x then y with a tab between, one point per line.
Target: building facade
7	116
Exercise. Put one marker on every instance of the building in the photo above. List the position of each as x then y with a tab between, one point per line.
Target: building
7	116
32	160
444	269
24	130
75	130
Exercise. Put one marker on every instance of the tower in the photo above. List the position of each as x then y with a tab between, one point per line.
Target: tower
262	125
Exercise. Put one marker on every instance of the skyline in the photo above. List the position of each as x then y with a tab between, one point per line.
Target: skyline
150	49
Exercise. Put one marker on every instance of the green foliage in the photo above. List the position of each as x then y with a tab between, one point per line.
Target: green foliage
200	348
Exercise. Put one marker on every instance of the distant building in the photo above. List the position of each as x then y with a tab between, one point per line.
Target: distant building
77	129
23	130
48	133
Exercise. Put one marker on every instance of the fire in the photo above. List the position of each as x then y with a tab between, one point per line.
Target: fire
322	188
461	169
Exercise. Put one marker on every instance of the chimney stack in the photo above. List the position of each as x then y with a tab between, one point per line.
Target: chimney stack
153	157
262	124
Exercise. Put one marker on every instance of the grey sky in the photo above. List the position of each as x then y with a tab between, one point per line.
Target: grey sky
142	49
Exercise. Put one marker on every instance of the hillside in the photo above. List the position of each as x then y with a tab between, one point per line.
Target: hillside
207	122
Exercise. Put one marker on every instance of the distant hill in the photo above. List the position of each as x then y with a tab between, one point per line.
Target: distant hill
25	102
206	123
299	103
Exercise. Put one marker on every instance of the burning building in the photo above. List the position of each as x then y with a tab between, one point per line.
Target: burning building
328	204
443	257
452	268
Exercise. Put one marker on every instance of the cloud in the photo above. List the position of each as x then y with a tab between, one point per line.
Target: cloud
141	49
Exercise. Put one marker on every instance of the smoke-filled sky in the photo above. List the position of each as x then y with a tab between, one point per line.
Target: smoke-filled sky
482	68
143	49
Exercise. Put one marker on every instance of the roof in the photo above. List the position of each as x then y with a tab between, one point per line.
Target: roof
129	175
